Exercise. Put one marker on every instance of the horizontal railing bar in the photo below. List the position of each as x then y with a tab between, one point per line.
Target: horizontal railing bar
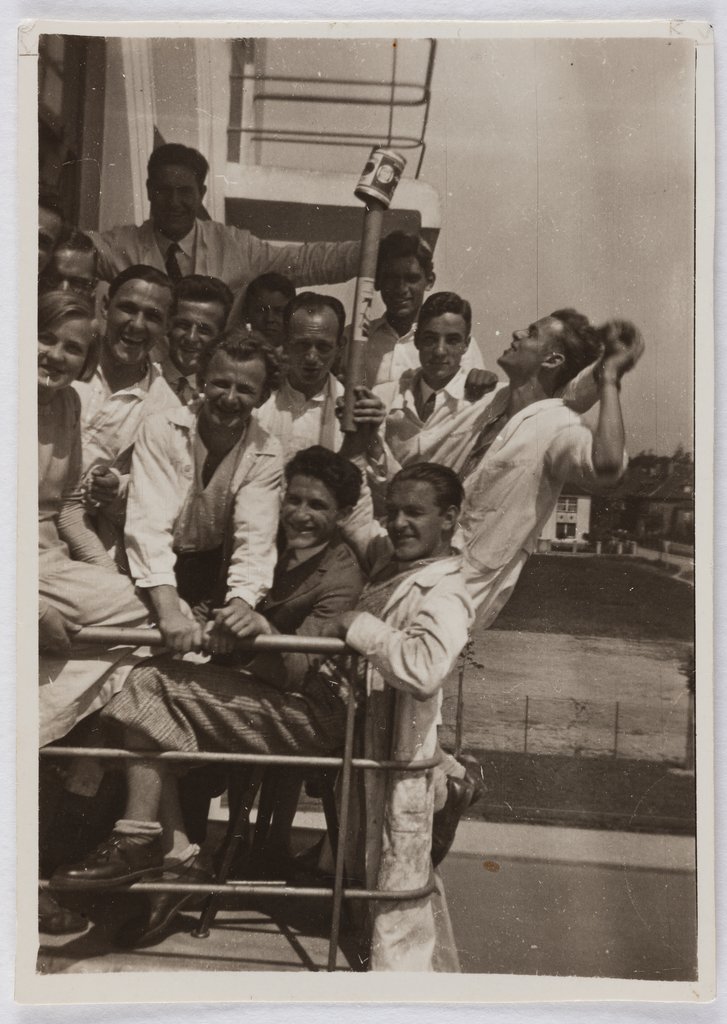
397	140
152	637
324	142
347	101
374	83
253	889
231	758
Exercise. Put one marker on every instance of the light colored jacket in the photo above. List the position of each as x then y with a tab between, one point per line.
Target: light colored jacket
410	653
233	254
168	508
511	493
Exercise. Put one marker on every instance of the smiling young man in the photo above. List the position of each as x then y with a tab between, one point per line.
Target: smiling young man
204	495
177	240
404	274
125	388
302	412
423	402
200	309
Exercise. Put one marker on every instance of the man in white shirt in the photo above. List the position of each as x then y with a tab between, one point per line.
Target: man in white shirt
125	388
423	402
200	309
404	273
302	412
175	239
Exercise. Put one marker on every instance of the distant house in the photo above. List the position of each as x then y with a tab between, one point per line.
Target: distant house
571	517
653	502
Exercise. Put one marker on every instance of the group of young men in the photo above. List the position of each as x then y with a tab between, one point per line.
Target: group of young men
211	418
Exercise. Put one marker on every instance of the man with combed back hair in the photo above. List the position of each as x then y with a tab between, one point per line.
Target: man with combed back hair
175	238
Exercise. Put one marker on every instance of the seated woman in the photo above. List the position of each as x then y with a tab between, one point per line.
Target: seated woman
410	623
204	497
78	587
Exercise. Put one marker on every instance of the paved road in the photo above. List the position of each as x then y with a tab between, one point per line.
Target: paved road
550	901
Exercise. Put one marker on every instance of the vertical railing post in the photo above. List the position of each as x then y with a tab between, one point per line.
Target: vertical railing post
527	715
343	821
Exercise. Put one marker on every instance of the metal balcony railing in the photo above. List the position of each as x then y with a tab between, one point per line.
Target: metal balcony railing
346	762
389	96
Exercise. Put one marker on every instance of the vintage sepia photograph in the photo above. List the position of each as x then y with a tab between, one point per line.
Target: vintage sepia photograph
373	511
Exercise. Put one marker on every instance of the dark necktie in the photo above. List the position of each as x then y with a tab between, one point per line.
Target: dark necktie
173	269
182	387
425	408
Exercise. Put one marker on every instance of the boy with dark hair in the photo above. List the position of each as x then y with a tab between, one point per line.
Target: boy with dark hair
200	308
263	306
404	273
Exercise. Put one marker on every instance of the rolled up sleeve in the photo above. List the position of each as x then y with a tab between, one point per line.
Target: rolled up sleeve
570	455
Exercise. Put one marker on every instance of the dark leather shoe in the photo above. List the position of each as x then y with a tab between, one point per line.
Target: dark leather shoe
115	861
476	775
150	927
53	919
444	826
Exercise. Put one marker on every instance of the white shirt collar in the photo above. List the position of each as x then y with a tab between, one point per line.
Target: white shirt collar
453	388
296	397
186	244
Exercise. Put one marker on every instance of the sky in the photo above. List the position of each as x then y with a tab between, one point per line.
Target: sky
565	170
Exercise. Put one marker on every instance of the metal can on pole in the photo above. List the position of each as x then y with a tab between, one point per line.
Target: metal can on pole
376	188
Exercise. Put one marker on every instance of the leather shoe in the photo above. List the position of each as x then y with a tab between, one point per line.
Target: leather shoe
460	793
53	919
476	775
150	927
116	861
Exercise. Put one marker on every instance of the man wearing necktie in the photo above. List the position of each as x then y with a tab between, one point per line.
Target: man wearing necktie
200	308
177	240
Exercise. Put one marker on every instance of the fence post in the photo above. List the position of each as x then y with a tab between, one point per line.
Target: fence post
615	730
527	713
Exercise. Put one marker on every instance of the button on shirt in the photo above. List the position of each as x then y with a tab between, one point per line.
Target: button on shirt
299	422
388	356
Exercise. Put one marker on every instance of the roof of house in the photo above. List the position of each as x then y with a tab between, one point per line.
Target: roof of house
657	478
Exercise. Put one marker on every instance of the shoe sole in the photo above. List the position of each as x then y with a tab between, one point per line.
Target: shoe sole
105	883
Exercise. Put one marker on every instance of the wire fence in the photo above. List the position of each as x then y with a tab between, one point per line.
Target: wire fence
589	728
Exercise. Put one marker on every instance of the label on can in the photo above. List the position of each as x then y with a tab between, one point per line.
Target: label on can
381	175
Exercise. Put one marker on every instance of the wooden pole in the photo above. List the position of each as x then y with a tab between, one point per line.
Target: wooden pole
355	364
376	188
